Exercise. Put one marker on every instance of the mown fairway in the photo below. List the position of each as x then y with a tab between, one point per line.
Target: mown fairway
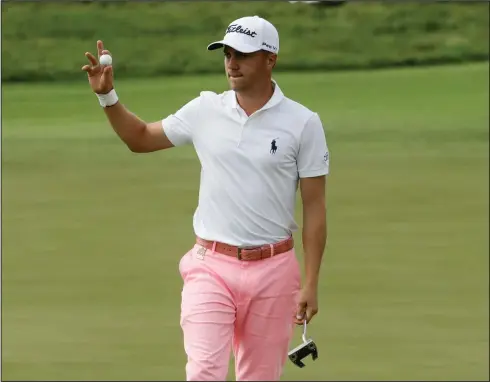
92	233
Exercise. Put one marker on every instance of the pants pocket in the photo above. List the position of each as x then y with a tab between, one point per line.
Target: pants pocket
296	270
185	262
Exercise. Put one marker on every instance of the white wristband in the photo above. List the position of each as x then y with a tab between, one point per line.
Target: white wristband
108	99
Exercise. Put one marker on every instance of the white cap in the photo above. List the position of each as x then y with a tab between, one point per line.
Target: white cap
250	34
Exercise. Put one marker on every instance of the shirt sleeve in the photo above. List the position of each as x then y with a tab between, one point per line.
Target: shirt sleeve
179	127
313	157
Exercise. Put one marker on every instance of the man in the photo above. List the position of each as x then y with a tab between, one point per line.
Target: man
241	278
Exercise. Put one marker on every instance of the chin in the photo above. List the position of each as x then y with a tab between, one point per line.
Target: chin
236	85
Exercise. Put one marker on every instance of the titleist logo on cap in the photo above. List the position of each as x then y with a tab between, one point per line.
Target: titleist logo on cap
234	28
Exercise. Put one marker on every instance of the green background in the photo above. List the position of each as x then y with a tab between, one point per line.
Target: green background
46	42
92	234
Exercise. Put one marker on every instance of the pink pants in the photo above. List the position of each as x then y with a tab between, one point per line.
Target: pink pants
244	306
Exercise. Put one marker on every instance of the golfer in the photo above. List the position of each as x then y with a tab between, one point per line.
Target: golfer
242	287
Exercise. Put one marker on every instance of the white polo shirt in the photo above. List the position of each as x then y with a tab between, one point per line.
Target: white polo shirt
250	165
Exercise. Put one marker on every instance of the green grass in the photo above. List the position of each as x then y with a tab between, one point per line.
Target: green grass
92	233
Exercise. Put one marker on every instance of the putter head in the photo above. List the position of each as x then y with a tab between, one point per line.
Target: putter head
302	351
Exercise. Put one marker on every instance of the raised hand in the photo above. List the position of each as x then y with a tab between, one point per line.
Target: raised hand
100	77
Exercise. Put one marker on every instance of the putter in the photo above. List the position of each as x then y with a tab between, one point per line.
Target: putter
304	350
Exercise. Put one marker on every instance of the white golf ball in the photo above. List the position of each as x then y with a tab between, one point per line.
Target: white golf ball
105	59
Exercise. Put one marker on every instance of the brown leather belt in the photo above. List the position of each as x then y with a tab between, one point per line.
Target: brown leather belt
248	254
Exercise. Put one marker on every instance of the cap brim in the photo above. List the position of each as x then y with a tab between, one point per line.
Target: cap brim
243	48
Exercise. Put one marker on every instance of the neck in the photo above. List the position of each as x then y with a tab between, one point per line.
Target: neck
253	99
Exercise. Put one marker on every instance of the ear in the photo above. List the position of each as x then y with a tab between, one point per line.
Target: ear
271	60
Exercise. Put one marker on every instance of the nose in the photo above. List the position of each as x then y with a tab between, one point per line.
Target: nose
232	63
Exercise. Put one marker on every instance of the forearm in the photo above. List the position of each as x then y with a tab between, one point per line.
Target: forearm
138	135
127	125
314	241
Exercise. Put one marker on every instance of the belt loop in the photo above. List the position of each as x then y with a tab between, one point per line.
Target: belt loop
214	247
272	249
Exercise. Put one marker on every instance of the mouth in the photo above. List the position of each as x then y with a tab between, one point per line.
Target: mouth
234	75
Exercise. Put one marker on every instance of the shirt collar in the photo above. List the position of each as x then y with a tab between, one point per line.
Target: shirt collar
277	97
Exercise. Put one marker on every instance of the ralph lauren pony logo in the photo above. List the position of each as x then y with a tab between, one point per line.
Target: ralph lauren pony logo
235	28
273	146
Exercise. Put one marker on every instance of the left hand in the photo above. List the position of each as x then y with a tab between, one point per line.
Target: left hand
307	305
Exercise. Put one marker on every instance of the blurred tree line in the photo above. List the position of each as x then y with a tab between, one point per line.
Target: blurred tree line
47	41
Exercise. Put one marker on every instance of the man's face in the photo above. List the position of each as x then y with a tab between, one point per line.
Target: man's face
243	70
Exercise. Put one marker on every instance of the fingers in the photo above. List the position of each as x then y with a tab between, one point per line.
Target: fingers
107	80
310	312
90	69
100	47
300	313
304	312
100	76
107	74
91	58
